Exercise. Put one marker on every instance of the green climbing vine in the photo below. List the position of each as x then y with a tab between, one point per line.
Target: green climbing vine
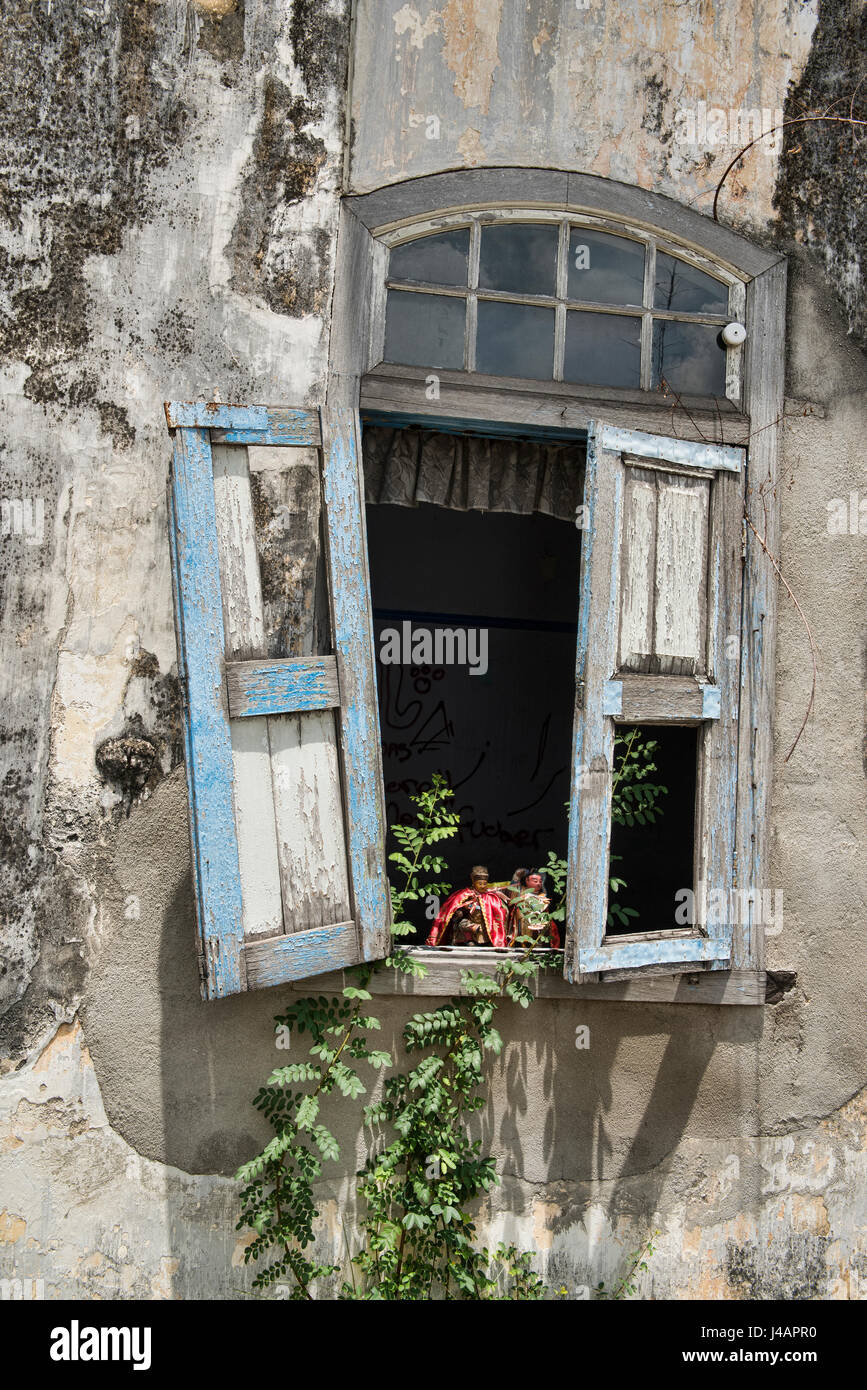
415	1232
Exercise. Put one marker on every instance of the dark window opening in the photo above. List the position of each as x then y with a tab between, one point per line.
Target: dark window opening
499	722
654	859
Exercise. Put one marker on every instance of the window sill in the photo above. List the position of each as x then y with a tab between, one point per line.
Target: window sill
445	963
506	406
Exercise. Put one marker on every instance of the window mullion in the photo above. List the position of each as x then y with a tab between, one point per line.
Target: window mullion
647	317
472	317
560	312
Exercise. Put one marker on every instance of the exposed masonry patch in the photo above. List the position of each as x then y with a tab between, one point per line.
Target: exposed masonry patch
151	743
821	193
126	762
778	984
37	888
221	29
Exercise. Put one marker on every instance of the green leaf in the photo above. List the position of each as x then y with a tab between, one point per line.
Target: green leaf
307	1112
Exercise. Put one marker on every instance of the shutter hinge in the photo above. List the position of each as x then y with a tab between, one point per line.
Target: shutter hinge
743	538
734	868
579	692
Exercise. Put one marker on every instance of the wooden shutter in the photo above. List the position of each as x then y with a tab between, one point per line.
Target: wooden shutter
660	603
282	735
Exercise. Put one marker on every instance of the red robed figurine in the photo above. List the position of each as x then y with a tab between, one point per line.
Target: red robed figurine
473	916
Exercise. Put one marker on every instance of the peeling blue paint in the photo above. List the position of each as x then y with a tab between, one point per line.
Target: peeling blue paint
632	955
208	742
612	697
682	451
275	687
246	424
282	686
711	702
353	642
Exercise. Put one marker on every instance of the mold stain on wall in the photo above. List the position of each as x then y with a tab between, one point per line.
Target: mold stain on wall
821	194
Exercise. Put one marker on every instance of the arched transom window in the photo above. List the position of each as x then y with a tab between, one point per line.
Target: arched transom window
547	297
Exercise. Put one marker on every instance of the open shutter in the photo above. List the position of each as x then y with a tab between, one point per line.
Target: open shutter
657	637
275	642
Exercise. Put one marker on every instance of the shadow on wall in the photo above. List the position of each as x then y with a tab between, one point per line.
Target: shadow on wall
618	1109
178	1076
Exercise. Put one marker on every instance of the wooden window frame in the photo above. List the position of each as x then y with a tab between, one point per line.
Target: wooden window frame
604	701
395	395
471	293
216	691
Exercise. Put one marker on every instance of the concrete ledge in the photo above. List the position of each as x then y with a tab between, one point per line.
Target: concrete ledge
444	965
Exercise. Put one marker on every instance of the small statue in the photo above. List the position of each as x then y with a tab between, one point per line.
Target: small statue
528	909
474	916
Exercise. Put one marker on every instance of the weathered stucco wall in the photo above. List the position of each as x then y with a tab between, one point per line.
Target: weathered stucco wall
594	86
170	213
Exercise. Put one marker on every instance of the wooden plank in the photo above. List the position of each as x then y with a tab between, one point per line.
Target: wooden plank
354	295
593	738
236	542
185	721
293	428
612	698
651	699
500	405
245	424
212	415
764	375
444	965
209	767
285	958
692	454
352	627
680	590
251	750
638	569
717	772
281	687
679	951
311	831
256	828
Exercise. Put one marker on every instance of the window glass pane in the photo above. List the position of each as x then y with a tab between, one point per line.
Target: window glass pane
522	259
435	260
690	356
515	340
680	286
602	349
605	269
424	330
